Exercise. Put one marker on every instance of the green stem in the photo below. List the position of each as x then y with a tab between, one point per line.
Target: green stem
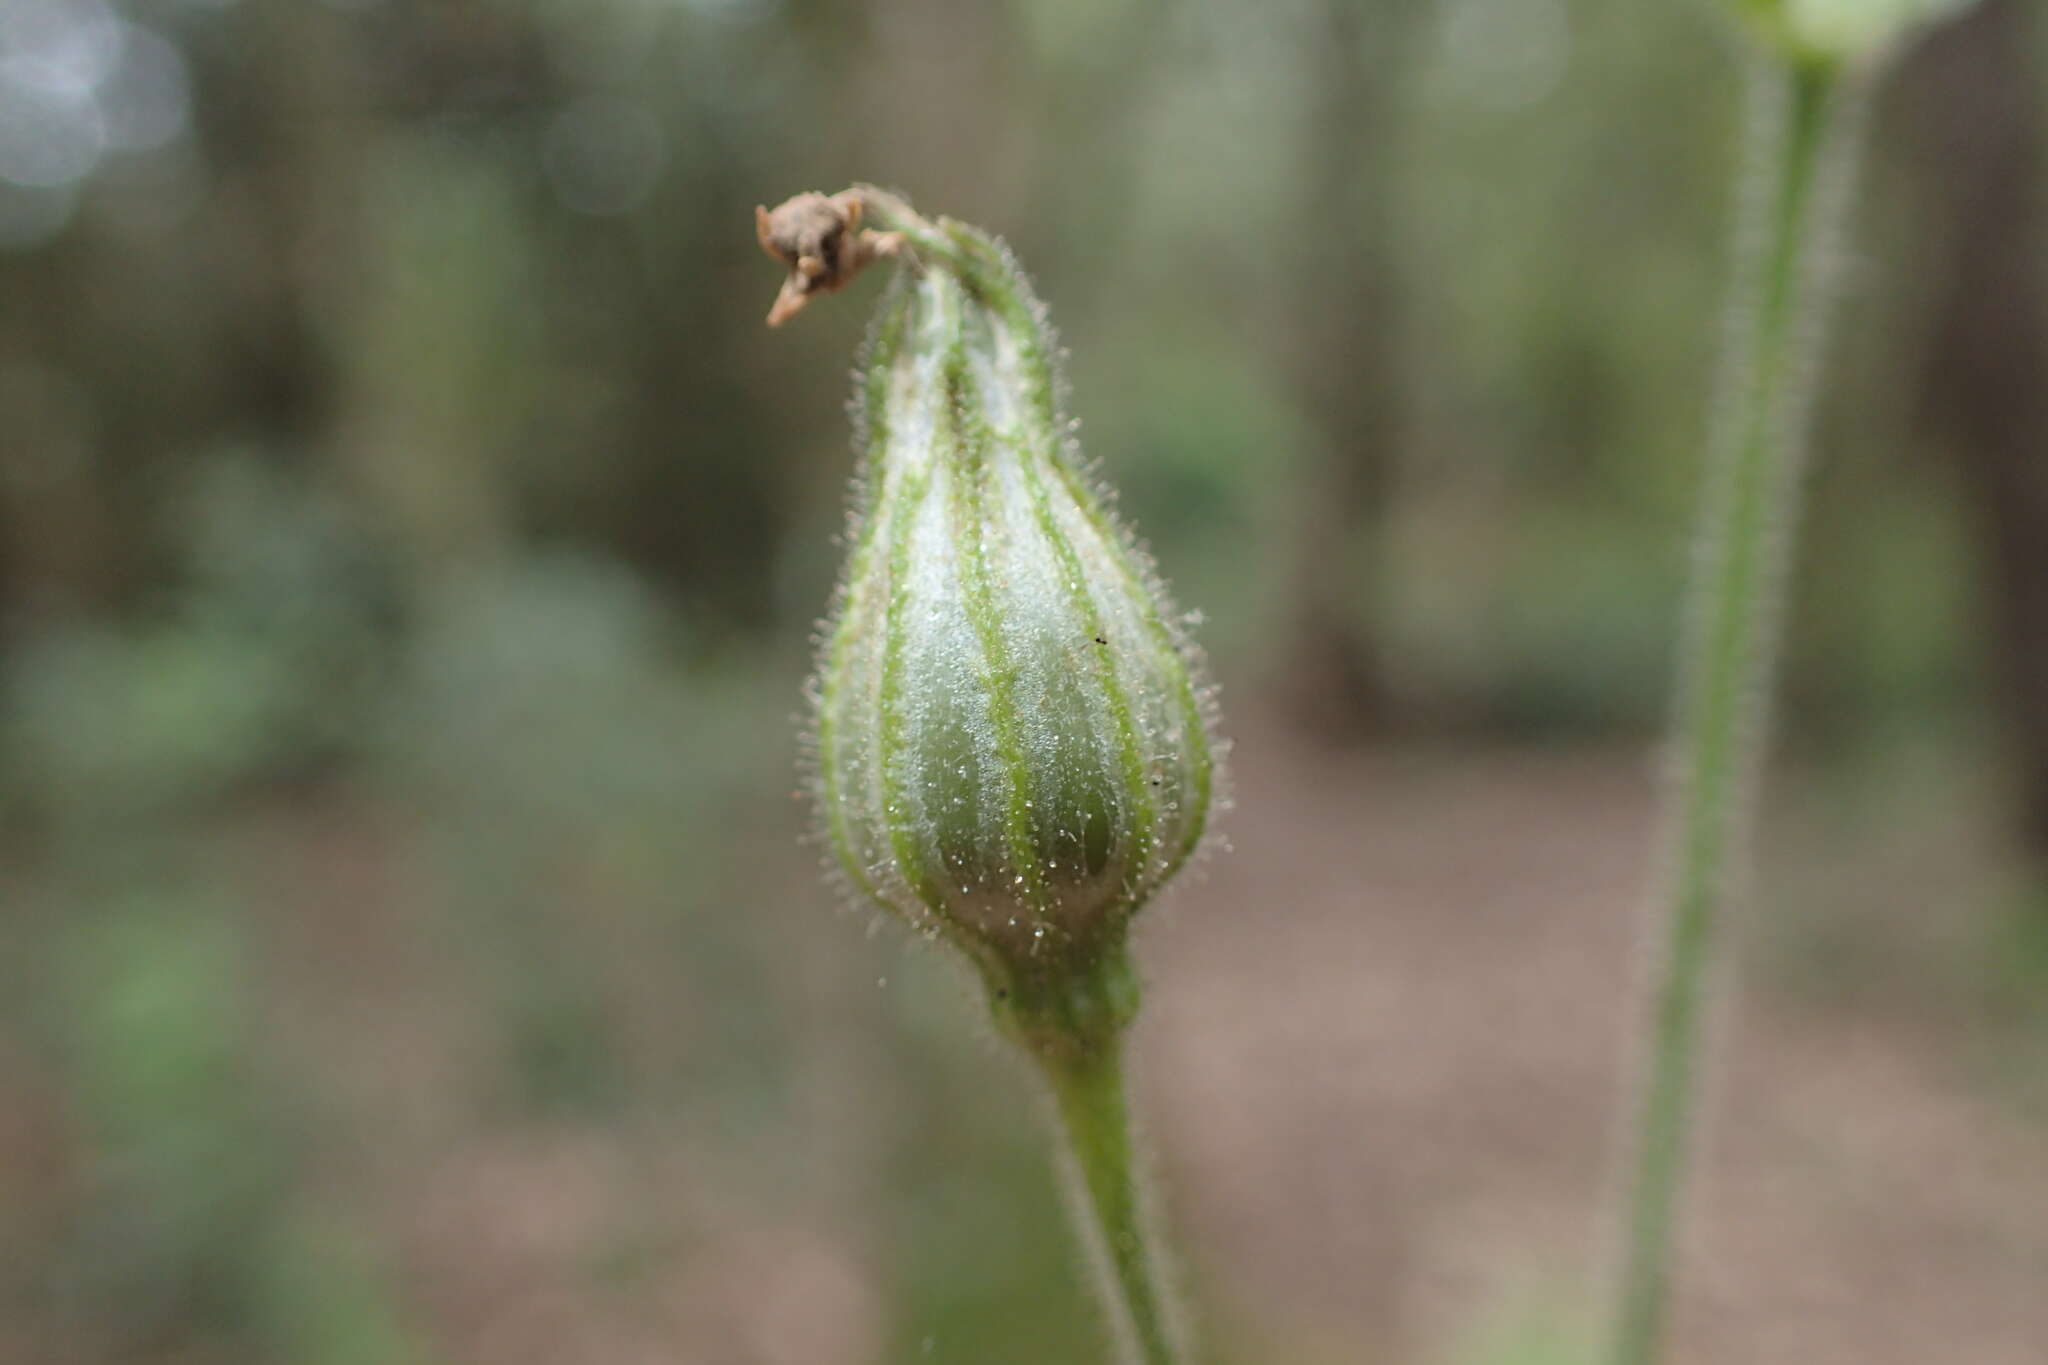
1088	1092
1802	134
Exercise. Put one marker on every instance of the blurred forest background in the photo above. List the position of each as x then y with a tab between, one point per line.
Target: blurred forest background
410	539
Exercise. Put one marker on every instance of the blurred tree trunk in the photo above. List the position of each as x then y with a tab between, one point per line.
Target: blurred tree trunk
61	541
1346	318
1986	381
278	115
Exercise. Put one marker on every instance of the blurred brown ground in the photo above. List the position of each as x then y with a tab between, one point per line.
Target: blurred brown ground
1380	1063
1386	1080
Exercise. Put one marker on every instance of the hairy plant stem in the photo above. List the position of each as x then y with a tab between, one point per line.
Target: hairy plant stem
1803	125
1071	1024
1088	1094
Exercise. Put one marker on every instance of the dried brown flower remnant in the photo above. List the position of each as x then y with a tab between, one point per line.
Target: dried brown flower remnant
819	238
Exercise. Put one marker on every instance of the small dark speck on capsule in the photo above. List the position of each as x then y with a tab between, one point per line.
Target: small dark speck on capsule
1100	641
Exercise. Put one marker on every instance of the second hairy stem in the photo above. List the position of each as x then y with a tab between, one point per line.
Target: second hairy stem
1802	130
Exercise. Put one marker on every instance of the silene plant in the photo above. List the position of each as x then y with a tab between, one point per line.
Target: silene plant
1016	746
1015	743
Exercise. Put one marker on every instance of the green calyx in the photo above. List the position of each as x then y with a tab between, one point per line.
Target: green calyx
1013	744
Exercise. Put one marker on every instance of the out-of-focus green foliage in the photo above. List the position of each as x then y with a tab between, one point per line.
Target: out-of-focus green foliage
187	1220
260	655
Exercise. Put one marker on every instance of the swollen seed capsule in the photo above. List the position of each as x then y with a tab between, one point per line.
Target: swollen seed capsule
1013	745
